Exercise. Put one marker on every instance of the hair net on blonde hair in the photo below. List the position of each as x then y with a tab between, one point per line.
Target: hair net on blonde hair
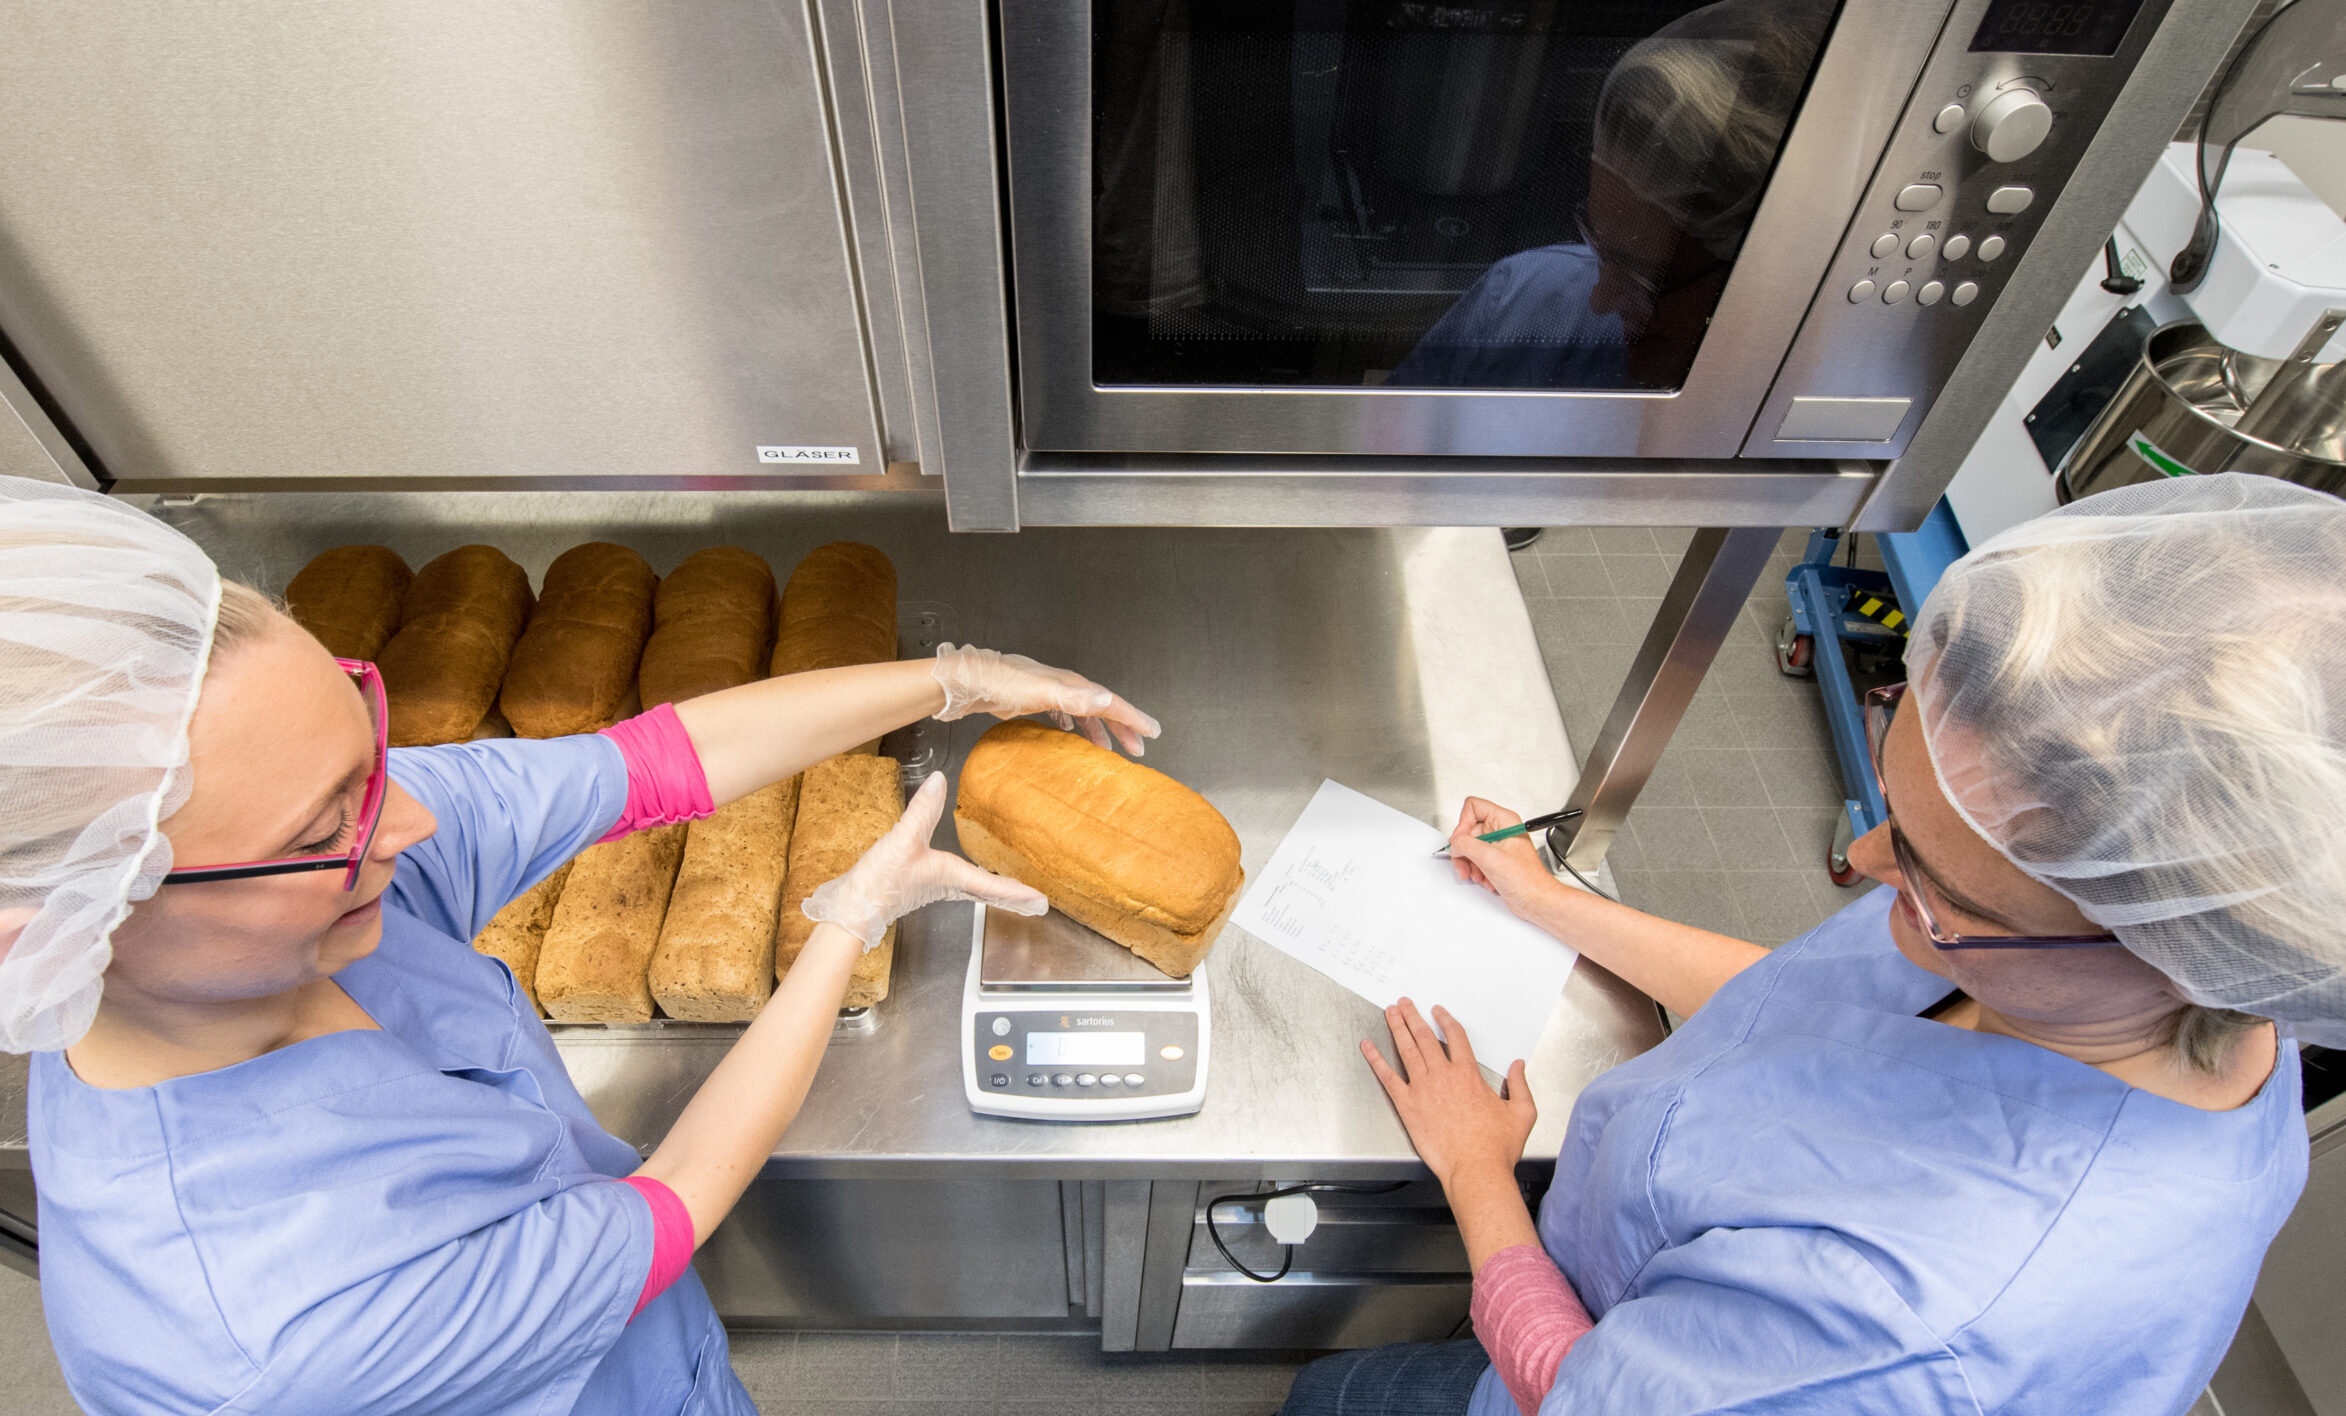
2140	700
106	621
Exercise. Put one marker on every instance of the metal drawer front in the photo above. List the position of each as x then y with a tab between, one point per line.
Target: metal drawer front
1319	1310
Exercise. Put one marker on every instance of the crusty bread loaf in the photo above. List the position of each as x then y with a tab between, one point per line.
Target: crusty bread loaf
592	963
845	804
715	960
349	597
576	662
456	634
519	929
838	609
1117	846
712	626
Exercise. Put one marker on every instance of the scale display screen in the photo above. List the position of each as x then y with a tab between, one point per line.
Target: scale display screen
1090	1049
2054	26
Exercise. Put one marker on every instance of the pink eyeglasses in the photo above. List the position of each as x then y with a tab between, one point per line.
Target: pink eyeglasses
370	809
1880	705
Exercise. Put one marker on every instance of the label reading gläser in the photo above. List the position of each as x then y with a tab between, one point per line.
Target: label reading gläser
803	456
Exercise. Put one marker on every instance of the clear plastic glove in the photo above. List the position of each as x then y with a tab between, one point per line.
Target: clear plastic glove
1012	685
902	872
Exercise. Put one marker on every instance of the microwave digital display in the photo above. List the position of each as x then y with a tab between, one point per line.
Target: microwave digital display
2054	26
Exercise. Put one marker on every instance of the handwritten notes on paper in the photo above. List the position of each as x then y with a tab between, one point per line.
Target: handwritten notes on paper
1356	892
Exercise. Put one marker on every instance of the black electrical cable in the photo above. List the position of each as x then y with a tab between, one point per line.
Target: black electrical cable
2191	264
1287	1261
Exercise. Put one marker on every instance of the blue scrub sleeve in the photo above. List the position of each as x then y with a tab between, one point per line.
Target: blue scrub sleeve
1779	1321
512	1317
510	811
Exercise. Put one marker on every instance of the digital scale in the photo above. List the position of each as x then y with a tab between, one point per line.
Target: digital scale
1060	1024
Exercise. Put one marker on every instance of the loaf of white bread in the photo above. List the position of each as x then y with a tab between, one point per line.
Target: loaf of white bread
1117	846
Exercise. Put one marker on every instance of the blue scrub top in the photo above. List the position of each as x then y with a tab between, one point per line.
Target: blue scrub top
418	1220
1524	323
1811	1200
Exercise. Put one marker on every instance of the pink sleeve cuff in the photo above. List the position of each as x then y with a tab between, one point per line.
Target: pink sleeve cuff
665	783
1528	1317
671	1238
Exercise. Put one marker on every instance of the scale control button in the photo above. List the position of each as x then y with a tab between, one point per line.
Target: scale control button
1958	246
1135	1079
1894	292
1884	244
1171	1052
1110	1079
1950	118
1861	292
1062	1080
1086	1079
1991	248
1000	1052
1034	1079
1965	293
1930	293
2004	201
1920	248
999	1080
1922	196
1001	1027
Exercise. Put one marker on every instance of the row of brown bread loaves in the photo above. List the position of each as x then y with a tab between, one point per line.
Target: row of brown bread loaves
696	919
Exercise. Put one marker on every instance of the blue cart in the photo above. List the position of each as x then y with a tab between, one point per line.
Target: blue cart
1866	612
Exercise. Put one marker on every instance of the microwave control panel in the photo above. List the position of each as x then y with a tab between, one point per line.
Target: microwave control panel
2012	95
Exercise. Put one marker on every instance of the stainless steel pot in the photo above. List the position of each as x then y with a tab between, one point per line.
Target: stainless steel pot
2195	405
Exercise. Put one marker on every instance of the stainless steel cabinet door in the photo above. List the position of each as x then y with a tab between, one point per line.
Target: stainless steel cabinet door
573	238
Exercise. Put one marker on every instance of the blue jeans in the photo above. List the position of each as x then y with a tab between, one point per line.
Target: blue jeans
1405	1379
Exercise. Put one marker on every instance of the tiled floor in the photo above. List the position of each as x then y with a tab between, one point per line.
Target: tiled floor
1732	831
1731	834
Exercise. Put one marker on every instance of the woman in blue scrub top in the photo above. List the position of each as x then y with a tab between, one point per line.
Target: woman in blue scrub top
2011	1134
300	1148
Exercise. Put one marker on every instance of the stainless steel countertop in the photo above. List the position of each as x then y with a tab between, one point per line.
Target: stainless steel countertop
1399	662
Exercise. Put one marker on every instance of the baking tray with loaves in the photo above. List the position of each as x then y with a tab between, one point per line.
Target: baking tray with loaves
693	922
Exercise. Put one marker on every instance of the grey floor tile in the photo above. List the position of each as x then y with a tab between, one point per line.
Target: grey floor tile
1749	838
1639	577
1669	839
1623	540
1810	830
1529	576
1798	777
1701	898
1720	776
1777	904
1591	621
943	1365
1781	721
1668	785
1569	576
1566	541
1672	539
844	1366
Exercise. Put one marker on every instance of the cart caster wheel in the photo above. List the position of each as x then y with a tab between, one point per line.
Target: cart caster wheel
1837	863
1795	652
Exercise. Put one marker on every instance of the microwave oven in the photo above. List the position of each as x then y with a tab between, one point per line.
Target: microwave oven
1491	229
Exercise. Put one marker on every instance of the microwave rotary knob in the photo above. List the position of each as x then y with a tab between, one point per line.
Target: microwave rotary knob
2011	126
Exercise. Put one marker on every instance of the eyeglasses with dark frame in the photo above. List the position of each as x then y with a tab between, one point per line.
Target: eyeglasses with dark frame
1880	705
370	809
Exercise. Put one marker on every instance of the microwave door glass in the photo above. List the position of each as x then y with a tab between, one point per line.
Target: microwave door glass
1481	194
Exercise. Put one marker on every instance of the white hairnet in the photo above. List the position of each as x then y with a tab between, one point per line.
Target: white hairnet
2140	700
105	623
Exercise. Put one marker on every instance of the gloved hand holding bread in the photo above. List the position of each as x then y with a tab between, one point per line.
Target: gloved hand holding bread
904	872
1012	685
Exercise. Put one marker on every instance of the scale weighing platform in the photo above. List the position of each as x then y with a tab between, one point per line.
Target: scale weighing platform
1060	1024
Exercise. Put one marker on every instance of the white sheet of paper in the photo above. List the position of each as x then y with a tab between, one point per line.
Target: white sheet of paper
1356	892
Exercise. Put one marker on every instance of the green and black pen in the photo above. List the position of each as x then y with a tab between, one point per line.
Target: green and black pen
1521	828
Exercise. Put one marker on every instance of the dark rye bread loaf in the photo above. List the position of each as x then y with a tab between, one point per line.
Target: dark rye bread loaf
349	598
457	629
576	663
